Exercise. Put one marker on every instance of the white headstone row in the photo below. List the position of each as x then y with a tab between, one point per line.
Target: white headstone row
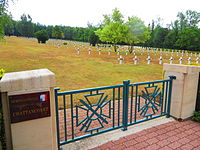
135	59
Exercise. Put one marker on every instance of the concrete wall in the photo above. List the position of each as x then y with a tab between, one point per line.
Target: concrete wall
36	134
184	90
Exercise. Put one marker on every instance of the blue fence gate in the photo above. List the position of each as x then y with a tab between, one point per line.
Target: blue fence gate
88	112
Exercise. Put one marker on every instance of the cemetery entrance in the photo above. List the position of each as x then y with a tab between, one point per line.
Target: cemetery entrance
88	112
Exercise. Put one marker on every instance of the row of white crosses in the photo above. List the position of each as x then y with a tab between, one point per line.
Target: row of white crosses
135	59
141	53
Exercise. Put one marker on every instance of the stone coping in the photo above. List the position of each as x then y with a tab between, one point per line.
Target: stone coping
180	68
27	80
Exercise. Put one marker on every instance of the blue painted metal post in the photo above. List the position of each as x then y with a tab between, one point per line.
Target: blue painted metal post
125	104
169	96
57	118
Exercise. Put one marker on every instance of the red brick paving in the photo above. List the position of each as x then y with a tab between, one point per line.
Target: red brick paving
170	136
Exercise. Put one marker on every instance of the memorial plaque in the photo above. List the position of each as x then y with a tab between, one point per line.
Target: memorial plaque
29	106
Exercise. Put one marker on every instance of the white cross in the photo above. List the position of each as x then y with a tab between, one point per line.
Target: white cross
135	60
78	51
189	60
89	51
160	60
180	60
120	59
148	60
170	60
109	52
99	51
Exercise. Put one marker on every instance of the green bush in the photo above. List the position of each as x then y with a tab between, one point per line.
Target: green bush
65	43
42	36
196	116
2	71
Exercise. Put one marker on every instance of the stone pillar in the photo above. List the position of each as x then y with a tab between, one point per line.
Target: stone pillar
184	89
29	91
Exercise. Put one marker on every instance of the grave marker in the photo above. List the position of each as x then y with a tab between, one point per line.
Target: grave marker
171	60
189	60
160	60
135	60
99	51
180	60
120	59
148	60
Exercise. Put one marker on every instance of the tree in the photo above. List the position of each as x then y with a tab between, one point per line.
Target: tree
57	33
3	16
113	29
25	26
188	19
42	36
159	36
137	32
189	39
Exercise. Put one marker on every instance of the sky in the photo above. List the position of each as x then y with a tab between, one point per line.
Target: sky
77	13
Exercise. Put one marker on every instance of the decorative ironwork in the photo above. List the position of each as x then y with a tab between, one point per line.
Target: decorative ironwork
152	101
93	112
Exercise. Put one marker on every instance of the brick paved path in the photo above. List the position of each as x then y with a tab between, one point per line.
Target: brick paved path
114	120
174	135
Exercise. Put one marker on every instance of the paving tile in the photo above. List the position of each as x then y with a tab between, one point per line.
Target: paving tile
130	143
173	138
192	136
163	143
141	138
187	147
152	141
184	140
166	148
141	145
195	143
175	145
152	147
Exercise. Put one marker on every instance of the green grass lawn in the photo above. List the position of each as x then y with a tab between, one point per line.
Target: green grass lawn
74	71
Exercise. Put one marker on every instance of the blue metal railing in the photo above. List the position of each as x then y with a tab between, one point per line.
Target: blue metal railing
88	112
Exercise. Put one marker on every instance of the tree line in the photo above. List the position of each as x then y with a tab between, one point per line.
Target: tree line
183	33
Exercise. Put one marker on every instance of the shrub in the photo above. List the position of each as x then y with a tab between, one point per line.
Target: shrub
42	36
196	116
65	43
2	71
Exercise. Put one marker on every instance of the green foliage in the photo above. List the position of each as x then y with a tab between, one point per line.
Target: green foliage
65	43
170	39
180	34
57	33
137	32
189	38
25	27
188	19
42	36
196	116
3	16
113	28
2	71
159	36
